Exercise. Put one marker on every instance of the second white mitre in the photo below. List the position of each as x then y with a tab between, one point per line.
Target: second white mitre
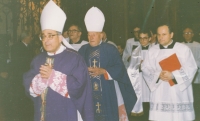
94	20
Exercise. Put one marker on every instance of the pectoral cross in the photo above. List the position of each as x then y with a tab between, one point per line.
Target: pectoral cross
49	61
98	109
94	63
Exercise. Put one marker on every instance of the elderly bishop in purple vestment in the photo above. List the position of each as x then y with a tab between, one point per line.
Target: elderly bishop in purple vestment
58	80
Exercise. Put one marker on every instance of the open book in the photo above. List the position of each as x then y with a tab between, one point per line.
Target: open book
170	64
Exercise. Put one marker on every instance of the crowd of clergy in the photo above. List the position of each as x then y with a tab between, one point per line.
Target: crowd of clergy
67	78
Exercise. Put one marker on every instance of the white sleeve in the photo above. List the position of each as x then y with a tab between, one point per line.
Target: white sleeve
126	54
38	85
185	75
150	74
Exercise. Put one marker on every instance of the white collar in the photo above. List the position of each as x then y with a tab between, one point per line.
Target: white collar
60	49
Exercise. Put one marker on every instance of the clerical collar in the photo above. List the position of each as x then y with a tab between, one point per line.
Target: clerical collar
145	48
169	46
79	42
25	44
60	50
189	41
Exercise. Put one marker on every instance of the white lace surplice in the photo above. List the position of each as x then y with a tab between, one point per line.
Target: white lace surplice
170	103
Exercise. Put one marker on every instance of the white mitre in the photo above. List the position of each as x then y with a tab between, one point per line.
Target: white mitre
53	18
94	20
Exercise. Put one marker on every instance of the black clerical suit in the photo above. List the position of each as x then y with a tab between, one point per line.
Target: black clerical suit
21	57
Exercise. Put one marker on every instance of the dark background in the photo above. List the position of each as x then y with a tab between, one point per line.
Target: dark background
120	15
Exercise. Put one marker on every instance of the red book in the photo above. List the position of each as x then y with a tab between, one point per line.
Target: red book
170	64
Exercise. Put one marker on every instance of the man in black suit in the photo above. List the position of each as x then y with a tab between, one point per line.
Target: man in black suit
21	56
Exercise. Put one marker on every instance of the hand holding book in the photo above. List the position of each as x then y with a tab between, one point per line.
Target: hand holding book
166	76
170	64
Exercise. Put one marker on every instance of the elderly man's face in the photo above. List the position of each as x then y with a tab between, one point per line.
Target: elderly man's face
164	36
188	34
94	38
51	40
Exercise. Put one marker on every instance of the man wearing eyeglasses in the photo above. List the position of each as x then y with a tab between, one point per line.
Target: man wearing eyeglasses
139	84
75	40
188	35
58	81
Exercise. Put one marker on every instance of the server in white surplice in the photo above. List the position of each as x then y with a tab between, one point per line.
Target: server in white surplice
171	96
135	73
131	44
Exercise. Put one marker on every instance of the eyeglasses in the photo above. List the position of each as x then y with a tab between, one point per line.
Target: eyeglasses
49	36
188	33
145	38
73	31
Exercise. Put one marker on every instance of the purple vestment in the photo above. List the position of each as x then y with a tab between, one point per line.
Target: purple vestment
58	107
